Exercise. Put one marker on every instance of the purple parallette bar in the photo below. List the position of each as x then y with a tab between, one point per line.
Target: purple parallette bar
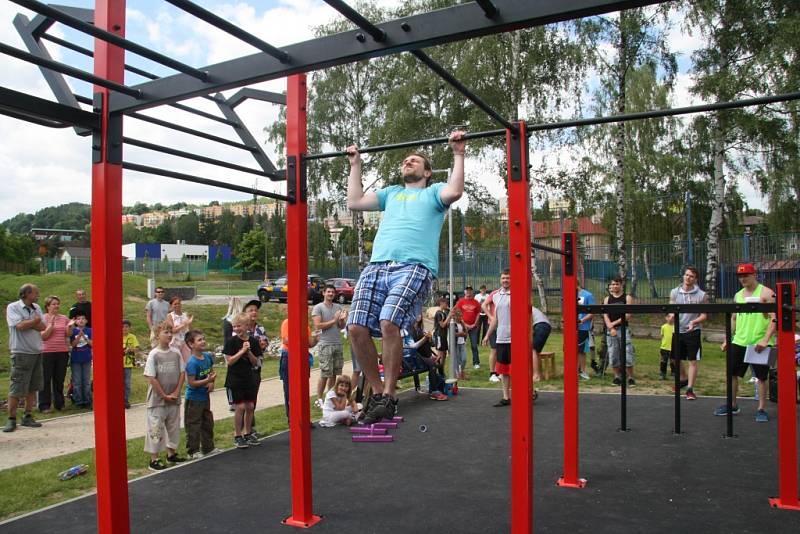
373	438
398	419
385	424
367	430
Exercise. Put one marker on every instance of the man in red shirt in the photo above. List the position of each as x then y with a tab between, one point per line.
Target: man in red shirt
471	309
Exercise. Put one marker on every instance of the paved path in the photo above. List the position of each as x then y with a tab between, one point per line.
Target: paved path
72	433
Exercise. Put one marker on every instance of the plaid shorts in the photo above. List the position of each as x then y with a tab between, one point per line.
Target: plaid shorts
389	291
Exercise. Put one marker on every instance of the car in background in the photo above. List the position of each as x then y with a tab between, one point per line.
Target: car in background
344	289
277	290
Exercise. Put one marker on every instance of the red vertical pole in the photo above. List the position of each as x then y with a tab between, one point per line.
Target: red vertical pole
787	407
569	290
297	280
109	413
519	244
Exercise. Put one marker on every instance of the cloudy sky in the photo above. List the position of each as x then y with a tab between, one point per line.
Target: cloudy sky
45	167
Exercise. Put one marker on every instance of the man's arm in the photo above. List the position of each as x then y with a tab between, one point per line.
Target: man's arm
357	200
455	185
628	300
149	316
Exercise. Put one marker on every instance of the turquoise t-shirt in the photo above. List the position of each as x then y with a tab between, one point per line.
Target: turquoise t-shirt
412	222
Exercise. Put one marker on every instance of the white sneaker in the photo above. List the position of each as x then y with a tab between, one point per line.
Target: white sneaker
318	403
476	366
214	451
494	378
195	456
583	376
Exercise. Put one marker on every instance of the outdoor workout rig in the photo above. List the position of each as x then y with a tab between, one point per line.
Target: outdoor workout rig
112	100
784	310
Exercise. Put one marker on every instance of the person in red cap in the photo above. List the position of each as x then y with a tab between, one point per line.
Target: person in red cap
750	329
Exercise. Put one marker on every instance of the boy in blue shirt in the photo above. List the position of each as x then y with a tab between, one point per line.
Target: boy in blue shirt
81	362
197	416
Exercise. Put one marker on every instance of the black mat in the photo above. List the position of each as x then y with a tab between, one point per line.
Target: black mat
454	478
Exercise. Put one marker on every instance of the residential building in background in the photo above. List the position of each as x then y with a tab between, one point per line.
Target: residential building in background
175	251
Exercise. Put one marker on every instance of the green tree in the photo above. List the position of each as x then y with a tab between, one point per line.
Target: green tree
250	251
187	228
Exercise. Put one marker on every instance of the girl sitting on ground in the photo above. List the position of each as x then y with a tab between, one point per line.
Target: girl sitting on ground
339	407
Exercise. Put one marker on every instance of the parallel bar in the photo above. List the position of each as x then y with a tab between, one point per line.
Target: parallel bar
680	308
198	180
406	144
461	88
204	114
355	17
94	31
191	131
69	71
232	29
195	157
554	250
29	107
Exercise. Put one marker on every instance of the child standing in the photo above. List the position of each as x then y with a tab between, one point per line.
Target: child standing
283	365
130	346
241	354
164	370
81	362
339	407
197	416
460	354
667	331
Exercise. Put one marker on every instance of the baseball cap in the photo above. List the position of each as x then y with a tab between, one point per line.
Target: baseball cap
746	268
253	302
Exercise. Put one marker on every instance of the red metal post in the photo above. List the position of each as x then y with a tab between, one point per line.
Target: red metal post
569	290
519	244
787	407
297	269
109	413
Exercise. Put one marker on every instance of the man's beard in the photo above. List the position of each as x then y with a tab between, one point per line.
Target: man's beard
412	178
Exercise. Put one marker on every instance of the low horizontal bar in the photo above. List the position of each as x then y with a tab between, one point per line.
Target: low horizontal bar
191	131
407	144
472	97
551	249
231	29
198	180
654	114
358	19
78	24
45	112
140	72
69	71
195	157
680	308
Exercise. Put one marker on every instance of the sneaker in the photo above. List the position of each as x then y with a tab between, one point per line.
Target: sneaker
196	455
503	402
595	367
257	435
383	408
617	381
157	465
662	376
127	405
631	381
175	459
476	366
752	380
723	410
240	442
583	376
212	451
251	439
318	403
438	396
11	425
494	378
28	420
690	395
761	416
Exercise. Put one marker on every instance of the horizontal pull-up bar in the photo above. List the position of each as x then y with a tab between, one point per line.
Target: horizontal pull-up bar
231	29
196	157
551	249
191	131
407	144
69	71
680	308
198	180
73	22
355	17
140	72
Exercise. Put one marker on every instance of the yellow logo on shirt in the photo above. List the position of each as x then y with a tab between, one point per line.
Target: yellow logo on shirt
405	196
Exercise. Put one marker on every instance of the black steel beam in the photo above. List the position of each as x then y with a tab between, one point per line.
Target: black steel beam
198	180
229	28
356	18
679	308
255	94
247	138
475	99
66	69
407	144
455	23
190	131
41	23
489	9
80	25
44	112
550	249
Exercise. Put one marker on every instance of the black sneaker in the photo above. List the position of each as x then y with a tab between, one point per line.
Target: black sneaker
251	439
11	425
369	405
157	465
384	408
175	459
240	442
503	402
631	381
617	381
28	420
595	367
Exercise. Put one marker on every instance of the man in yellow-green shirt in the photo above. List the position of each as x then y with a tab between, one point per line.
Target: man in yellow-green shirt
754	330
